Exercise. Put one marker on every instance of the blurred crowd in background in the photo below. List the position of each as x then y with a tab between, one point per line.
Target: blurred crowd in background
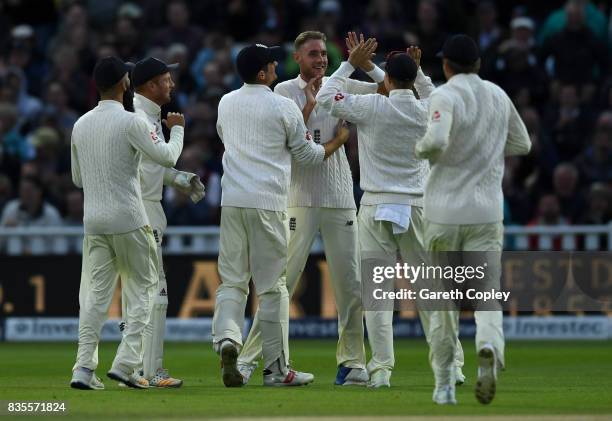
553	58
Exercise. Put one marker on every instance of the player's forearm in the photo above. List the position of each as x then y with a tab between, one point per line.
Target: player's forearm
307	110
423	84
333	85
435	140
333	145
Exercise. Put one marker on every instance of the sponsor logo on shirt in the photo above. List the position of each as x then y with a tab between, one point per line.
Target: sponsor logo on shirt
317	136
436	116
163	293
349	223
338	97
292	224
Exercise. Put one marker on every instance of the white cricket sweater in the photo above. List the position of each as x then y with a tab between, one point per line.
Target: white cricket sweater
261	132
388	129
330	184
472	126
152	175
105	153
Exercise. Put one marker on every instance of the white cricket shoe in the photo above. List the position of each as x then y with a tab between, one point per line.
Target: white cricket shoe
247	370
487	375
134	380
292	378
85	379
444	395
380	378
229	370
459	376
163	379
347	376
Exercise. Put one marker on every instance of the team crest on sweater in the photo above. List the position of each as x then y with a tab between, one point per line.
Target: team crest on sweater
435	116
338	97
154	137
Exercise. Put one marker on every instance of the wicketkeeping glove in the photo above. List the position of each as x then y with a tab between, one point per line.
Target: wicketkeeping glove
189	184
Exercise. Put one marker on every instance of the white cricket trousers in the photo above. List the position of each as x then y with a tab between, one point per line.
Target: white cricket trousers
153	335
445	323
131	256
253	244
338	229
377	237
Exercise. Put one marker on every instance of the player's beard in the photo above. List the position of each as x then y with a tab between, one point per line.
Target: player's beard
128	99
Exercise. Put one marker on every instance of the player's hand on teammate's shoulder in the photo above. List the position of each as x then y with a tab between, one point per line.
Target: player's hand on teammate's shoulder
174	119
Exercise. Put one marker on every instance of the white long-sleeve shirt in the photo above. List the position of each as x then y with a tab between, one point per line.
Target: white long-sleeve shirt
106	147
261	132
330	184
388	129
472	126
152	175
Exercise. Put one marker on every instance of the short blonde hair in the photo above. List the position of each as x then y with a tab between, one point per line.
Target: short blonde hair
307	36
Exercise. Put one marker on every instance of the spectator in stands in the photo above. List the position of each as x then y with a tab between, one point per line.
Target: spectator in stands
15	91
571	200
385	21
66	70
429	36
30	208
579	57
489	35
548	214
6	191
569	123
179	31
557	20
518	73
184	81
13	143
128	40
24	54
599	211
74	208
57	111
522	29
595	163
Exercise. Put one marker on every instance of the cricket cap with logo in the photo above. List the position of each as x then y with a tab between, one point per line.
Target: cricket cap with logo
253	58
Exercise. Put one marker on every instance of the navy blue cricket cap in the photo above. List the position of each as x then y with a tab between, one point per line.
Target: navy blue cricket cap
148	68
253	58
108	71
400	66
460	49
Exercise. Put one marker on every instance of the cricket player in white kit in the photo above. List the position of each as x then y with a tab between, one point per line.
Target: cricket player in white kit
392	178
473	125
261	132
321	200
153	85
106	147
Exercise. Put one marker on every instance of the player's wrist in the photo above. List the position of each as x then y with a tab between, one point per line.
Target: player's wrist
377	74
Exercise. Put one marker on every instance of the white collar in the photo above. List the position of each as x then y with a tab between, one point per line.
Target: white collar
396	92
145	104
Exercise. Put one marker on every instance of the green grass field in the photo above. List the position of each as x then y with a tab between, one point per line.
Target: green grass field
541	378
